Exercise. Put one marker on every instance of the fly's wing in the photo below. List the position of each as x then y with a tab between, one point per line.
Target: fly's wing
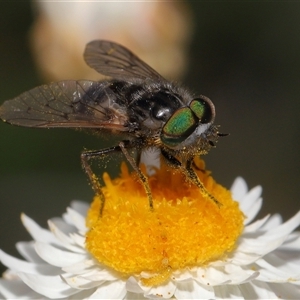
72	104
112	59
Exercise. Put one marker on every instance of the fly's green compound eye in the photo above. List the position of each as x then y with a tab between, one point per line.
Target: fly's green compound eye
203	109
182	123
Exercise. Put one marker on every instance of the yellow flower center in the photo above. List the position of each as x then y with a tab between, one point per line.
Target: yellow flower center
184	230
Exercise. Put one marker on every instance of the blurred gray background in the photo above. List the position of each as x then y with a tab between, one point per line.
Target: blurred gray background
244	56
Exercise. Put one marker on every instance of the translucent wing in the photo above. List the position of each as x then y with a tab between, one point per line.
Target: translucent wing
81	104
112	59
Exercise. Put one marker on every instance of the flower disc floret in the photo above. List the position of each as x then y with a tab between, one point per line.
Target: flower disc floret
185	228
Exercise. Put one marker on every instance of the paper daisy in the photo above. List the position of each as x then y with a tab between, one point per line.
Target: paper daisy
186	248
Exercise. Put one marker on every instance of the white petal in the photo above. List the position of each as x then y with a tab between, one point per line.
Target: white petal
292	242
231	274
111	290
80	283
63	226
192	290
251	202
90	276
134	296
38	233
239	189
250	199
81	267
273	274
19	265
57	257
274	221
133	286
82	294
80	206
257	246
166	290
227	292
286	261
65	240
248	291
17	289
26	249
183	275
255	226
263	242
10	275
211	276
76	218
49	286
286	290
99	275
252	212
261	290
238	275
241	259
284	229
79	240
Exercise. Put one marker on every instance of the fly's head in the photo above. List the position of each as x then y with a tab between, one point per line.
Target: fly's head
190	130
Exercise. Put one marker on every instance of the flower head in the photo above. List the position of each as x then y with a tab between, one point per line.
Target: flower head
187	247
185	229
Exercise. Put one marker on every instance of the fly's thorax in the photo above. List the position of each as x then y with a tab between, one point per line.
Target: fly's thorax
190	126
153	104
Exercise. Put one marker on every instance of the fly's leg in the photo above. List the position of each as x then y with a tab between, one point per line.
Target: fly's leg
173	161
190	174
196	167
123	145
85	157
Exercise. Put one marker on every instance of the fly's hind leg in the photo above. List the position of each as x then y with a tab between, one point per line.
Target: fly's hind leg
85	157
190	174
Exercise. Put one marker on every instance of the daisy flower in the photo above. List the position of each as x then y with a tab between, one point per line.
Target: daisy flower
186	248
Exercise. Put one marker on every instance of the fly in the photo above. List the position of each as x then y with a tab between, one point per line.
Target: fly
137	102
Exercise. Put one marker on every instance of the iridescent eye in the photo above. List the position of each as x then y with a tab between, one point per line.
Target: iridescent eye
204	109
182	123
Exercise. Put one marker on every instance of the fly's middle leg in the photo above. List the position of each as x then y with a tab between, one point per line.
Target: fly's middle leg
142	176
87	155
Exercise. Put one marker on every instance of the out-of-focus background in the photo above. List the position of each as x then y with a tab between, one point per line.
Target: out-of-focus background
244	56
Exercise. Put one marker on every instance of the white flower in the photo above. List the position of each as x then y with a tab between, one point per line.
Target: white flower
265	263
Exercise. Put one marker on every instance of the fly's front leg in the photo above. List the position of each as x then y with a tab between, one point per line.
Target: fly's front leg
172	160
193	177
142	177
85	156
189	173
